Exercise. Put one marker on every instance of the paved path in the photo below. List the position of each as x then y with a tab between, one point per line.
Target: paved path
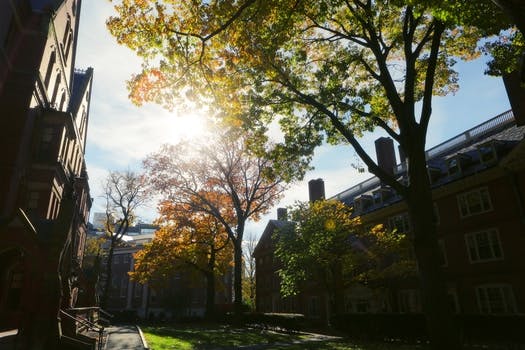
124	337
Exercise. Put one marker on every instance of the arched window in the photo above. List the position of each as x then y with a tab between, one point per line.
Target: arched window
55	90
50	66
67	30
68	44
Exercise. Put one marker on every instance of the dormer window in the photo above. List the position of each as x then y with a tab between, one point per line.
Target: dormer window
381	195
362	203
456	164
488	152
434	173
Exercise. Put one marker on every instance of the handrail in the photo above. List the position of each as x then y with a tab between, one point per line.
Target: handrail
105	313
90	326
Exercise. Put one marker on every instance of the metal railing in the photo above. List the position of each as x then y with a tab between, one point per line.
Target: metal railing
495	124
89	325
492	125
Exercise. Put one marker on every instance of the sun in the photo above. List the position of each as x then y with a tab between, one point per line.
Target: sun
190	125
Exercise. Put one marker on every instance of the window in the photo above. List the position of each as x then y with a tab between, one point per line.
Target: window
356	305
138	289
484	246
126	258
474	202
400	222
50	67
409	301
496	299
55	89
123	286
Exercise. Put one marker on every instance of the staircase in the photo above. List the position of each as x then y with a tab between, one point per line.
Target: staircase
83	328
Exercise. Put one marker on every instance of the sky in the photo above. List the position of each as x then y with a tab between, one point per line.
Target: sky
121	134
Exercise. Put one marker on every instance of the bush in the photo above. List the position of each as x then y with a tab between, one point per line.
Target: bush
412	327
408	327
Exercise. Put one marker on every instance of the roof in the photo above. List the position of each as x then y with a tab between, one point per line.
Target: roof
81	83
270	228
500	131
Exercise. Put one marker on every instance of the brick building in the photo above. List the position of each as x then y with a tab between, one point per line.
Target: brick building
478	181
184	295
44	191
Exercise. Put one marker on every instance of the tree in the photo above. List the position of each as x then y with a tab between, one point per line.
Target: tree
186	239
325	70
124	192
219	178
248	285
328	245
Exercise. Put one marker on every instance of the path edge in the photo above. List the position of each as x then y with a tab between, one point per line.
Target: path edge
142	338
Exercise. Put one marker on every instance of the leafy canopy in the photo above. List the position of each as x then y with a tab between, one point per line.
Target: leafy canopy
186	241
325	238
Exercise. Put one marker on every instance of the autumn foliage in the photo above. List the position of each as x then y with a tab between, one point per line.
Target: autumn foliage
186	242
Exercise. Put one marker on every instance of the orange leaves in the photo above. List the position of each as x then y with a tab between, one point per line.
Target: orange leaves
144	86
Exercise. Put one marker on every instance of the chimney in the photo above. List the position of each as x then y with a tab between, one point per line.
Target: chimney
316	189
516	95
386	156
282	214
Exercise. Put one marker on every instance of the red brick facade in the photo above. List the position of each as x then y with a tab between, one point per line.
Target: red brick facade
479	195
44	191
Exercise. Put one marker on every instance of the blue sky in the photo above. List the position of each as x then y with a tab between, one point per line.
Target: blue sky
120	134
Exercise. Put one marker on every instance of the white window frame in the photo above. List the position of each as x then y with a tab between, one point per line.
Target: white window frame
405	221
465	209
506	295
493	237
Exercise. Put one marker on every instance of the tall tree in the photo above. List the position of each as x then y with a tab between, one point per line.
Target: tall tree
328	245
248	289
186	240
325	70
124	192
187	173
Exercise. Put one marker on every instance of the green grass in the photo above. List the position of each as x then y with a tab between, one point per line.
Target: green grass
213	337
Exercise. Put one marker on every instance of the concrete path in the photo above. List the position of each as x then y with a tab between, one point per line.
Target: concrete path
124	337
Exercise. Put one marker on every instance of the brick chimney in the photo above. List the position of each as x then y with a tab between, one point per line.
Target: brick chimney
516	95
282	214
386	156
316	190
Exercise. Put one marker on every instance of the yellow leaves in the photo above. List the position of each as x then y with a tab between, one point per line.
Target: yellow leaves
329	225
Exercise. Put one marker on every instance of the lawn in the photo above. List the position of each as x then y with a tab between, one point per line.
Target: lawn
214	337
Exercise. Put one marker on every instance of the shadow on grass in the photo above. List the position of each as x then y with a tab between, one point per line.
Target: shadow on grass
200	337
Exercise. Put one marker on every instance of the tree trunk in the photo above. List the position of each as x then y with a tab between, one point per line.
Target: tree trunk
442	328
237	276
210	285
107	283
210	294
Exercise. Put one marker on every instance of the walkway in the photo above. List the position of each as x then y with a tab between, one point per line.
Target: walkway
124	337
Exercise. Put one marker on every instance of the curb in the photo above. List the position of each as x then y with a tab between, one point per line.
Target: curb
142	338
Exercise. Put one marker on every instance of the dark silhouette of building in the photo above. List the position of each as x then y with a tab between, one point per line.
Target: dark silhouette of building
478	182
44	191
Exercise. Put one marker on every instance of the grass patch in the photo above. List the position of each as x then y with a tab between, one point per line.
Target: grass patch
215	336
